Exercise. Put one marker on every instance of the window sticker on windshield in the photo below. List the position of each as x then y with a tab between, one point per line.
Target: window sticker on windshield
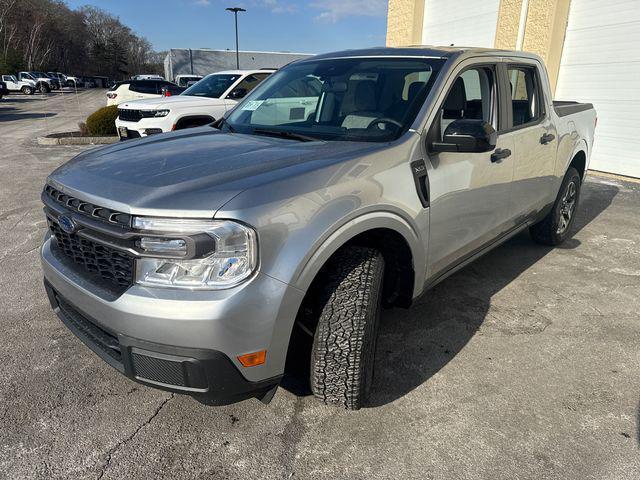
252	105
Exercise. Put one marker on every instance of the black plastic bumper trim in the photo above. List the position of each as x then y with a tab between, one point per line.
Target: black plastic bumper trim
207	375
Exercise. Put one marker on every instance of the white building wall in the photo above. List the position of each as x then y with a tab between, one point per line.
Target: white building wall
468	23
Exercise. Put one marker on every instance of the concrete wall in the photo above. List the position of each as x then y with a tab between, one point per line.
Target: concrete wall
178	61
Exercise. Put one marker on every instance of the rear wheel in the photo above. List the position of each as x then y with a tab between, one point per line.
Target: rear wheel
343	352
27	90
556	226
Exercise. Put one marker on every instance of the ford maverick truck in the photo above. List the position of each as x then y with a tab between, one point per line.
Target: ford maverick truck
210	260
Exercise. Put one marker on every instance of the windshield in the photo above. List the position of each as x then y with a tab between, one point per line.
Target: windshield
212	86
359	99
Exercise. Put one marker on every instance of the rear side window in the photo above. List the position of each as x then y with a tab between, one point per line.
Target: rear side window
144	86
526	99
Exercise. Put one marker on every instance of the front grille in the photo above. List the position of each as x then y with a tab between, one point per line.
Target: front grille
101	262
94	211
128	115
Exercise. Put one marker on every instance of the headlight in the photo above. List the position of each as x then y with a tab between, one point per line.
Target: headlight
232	260
154	113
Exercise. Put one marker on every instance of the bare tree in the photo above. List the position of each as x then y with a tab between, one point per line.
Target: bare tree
48	35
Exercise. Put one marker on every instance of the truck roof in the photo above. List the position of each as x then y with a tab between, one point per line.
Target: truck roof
425	51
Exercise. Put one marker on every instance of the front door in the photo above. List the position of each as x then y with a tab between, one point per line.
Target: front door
469	192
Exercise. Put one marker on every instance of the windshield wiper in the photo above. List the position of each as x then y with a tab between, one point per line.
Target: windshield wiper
221	122
282	134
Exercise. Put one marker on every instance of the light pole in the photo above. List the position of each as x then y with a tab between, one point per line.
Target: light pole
235	11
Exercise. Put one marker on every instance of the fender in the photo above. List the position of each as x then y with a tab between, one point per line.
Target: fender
308	269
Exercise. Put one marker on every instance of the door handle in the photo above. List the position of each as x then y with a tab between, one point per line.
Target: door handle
499	154
547	138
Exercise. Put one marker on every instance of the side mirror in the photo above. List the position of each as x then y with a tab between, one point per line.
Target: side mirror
467	135
237	93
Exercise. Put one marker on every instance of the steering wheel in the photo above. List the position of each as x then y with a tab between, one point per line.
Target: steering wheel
385	120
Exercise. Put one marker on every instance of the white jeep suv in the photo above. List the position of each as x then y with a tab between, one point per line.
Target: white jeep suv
202	103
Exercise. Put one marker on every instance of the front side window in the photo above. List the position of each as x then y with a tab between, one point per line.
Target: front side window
471	97
526	104
212	86
247	84
358	99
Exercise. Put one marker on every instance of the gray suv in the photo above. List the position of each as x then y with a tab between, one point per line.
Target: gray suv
210	261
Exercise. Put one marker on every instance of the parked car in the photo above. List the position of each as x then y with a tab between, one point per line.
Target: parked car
198	105
75	82
152	76
183	80
42	84
135	89
55	84
200	261
60	77
25	86
3	90
171	90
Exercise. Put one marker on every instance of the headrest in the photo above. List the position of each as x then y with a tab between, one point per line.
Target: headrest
414	90
457	98
365	96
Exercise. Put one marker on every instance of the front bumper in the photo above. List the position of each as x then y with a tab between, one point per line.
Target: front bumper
143	127
167	338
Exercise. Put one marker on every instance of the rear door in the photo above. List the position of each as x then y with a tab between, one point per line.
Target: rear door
469	192
535	140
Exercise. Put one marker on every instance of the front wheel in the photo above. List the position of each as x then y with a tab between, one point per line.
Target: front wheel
27	90
556	226
344	343
44	88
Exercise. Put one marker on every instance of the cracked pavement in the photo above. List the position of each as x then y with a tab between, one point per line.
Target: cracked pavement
523	365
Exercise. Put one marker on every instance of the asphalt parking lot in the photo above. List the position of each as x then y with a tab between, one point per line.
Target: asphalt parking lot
525	365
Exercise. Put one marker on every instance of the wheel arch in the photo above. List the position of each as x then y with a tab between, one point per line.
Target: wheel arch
390	233
205	119
579	159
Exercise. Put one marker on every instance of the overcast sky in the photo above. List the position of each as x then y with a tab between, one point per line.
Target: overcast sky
312	26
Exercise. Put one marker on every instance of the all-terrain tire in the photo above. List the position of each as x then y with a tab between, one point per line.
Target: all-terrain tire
554	229
343	351
27	90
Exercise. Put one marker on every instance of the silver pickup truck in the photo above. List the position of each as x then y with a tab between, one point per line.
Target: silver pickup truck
212	260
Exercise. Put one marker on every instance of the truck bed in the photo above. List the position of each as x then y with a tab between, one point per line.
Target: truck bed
564	108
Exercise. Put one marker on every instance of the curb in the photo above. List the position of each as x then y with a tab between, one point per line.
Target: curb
57	139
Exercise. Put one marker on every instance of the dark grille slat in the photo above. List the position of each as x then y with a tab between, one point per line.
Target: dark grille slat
94	211
110	265
128	115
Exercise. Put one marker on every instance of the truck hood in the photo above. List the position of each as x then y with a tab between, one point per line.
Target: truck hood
175	101
191	173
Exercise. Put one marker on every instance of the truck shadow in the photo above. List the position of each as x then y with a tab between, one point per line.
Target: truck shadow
415	344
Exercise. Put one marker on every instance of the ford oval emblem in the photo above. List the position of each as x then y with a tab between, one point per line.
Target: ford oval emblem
66	224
